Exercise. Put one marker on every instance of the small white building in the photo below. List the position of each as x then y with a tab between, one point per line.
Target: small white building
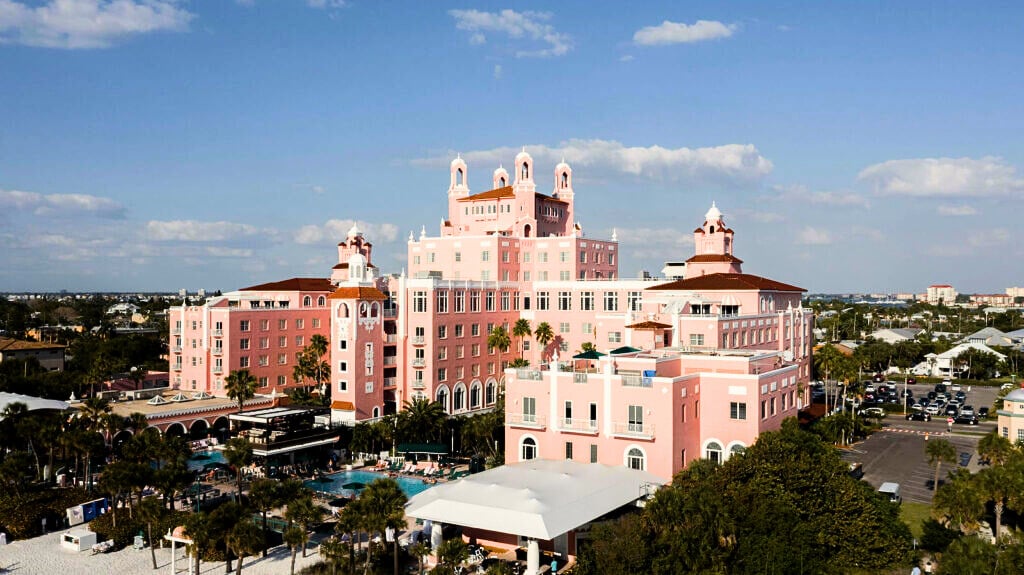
895	334
943	364
78	539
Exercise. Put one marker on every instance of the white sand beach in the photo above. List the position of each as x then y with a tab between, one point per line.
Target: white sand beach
45	556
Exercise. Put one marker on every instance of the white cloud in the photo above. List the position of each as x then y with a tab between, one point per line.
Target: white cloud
798	193
518	25
944	177
223	252
60	204
679	33
963	210
86	23
862	232
335	230
813	237
322	4
756	215
498	72
196	231
655	243
626	58
989	238
733	162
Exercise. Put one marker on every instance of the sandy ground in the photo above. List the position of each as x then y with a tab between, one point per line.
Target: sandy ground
44	556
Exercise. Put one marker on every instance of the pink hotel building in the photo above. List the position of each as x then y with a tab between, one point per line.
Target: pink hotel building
717	357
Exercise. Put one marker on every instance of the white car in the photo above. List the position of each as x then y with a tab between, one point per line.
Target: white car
1006	386
954	387
932	409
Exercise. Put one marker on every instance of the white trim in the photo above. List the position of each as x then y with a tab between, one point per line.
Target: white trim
728	448
709	441
625	455
519	446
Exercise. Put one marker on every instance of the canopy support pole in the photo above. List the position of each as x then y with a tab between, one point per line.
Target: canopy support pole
532	557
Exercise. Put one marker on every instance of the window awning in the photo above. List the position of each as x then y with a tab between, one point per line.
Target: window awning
264	452
431	448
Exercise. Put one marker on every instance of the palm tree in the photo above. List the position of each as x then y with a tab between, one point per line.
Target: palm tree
383	508
994	448
241	386
544	335
263	496
243	540
959	502
304	512
452	552
521	329
422	419
500	340
199	529
137	422
295	537
238	453
150	512
317	347
998	484
420	552
939	451
333	550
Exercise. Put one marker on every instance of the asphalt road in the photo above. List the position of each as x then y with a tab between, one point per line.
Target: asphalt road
897	452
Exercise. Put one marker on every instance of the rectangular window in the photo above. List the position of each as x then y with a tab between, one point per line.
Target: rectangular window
583	257
264	324
282	380
587	301
633	300
697	339
489	301
342	366
243	361
264	360
563	327
474	302
282	359
764	409
459	330
530	409
563	256
564	275
505	301
542	257
460	301
300	341
564	301
442	301
542	276
369	386
615	337
442	332
504	256
460	351
458	257
264	343
568	413
588	329
485	256
543	301
611	301
442	374
419	301
772	402
243	343
243	325
316	322
593	453
442	352
282	341
342	385
737	410
475	350
264	381
568	450
474	330
282	324
299	324
636	418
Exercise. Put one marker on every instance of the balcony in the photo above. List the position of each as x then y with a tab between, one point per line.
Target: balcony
391	338
390	360
634	429
218	351
176	367
391	312
217	370
418	362
418	340
390	382
176	349
579	378
586	426
635	380
418	384
176	331
218	332
526	420
529	374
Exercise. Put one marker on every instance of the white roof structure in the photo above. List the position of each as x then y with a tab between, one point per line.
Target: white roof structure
33	403
1015	395
539	498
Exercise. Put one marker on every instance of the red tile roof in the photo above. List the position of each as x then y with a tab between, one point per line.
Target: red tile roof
727	282
649	325
505	192
358	292
343	405
294	284
715	258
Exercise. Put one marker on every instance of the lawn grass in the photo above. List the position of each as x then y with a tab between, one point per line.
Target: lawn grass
914	514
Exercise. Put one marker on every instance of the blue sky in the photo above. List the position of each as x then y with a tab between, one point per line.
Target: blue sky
166	144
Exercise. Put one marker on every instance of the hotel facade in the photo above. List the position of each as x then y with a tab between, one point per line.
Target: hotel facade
687	368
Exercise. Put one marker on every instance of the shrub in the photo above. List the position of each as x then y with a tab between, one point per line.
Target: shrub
128	527
936	536
21	514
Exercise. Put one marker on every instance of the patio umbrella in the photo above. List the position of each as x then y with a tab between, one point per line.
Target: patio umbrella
624	349
323	479
589	354
354	486
339	502
216	465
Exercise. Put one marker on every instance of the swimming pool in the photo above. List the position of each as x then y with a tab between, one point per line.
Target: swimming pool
200	459
410	485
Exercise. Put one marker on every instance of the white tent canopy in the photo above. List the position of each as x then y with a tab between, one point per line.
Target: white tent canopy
33	403
540	498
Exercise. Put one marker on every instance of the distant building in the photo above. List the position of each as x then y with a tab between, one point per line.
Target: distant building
49	355
905	296
1015	292
945	364
941	294
895	334
990	337
992	299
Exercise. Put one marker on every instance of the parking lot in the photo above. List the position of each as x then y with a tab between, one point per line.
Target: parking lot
897	452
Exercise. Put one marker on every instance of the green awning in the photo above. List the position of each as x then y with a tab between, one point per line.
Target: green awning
624	349
431	448
589	354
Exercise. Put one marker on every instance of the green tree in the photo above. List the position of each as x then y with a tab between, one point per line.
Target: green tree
499	339
422	420
544	335
238	453
939	451
959	502
452	553
151	511
419	551
304	512
522	330
243	540
241	386
998	484
263	493
383	503
198	528
295	537
994	448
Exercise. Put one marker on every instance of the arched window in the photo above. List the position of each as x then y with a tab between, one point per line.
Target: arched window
527	449
442	398
712	229
376	412
489	395
321	301
363	310
737	449
526	171
307	301
474	396
459	398
373	309
713	452
502	182
458	177
565	179
635	459
343	310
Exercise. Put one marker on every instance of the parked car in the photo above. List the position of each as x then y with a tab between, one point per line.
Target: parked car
961	395
873	412
932	409
1006	386
952	410
955	387
940	388
966	419
917	406
919	417
983	413
965	458
911	380
932	395
968	410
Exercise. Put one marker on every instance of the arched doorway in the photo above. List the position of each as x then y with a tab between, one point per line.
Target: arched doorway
199	429
175	429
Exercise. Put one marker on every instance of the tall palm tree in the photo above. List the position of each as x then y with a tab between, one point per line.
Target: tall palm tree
997	484
995	448
384	507
500	340
304	512
243	540
241	386
295	537
522	330
151	511
263	496
939	451
199	529
958	500
317	348
544	335
238	453
422	420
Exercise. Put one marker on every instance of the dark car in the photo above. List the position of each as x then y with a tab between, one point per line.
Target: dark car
961	395
966	420
982	413
940	388
911	380
952	410
919	416
932	395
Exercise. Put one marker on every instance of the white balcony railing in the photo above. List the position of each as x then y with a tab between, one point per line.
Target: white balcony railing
634	429
579	378
390	381
176	367
175	331
529	374
573	425
218	351
176	349
530	420
418	340
635	380
218	369
390	360
419	362
218	332
391	338
418	384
